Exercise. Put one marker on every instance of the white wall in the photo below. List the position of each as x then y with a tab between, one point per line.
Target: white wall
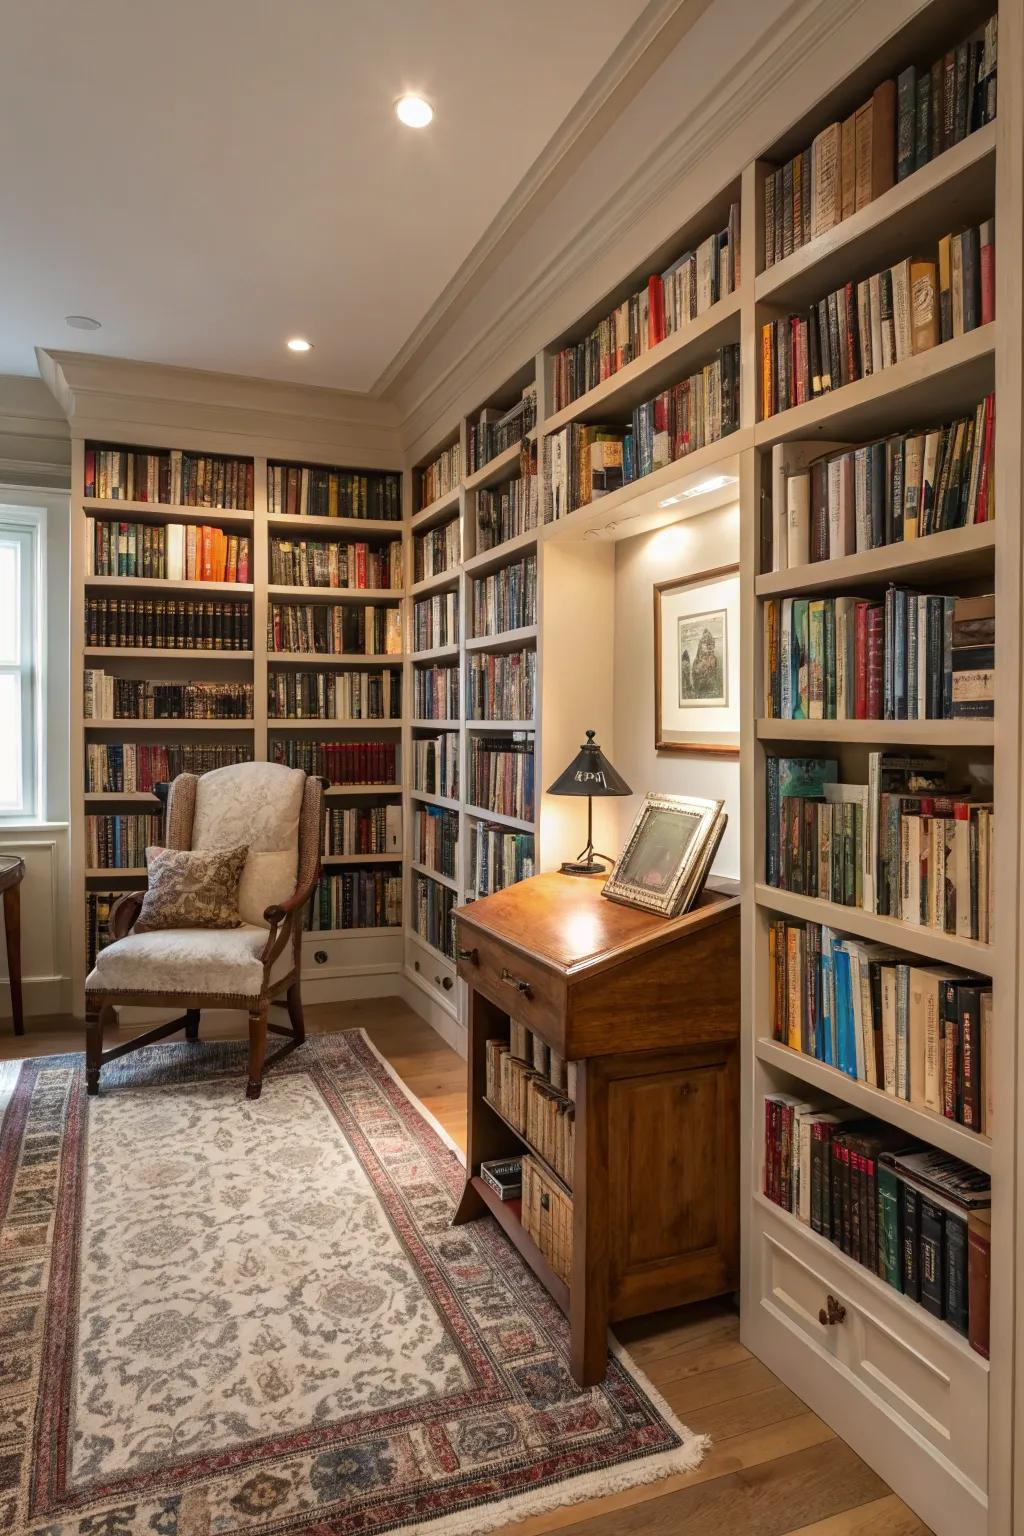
683	549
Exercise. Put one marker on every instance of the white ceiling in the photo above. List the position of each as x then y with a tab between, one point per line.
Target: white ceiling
210	177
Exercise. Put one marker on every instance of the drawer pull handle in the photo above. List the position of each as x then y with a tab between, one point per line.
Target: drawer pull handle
520	983
469	954
833	1312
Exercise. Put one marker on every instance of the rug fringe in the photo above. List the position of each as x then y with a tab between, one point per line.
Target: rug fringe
417	1104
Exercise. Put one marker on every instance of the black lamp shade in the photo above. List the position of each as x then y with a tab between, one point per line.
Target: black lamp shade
590	773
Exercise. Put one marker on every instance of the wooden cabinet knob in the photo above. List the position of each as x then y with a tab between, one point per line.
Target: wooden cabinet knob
468	954
521	985
831	1313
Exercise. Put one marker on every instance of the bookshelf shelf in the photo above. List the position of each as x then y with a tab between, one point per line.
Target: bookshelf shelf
479	813
325	726
436	653
829	1251
165	512
437	510
329	859
443	801
312	935
157	584
504	466
417	938
332	659
955	554
108	797
555	1178
168	725
501	554
933	384
656	369
969	954
444	724
434	874
954	190
356	529
435	583
116	874
343	791
336	594
507	640
505	1213
917	1121
167	653
921	733
500	725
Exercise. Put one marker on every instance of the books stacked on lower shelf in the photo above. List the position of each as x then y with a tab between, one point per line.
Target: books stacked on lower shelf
120	842
167	552
436	551
505	511
547	1217
501	773
501	685
916	1217
364	693
435	693
308	491
435	621
335	629
526	1082
498	857
433	906
106	697
441	475
919	1032
897	657
319	563
342	762
357	898
171	477
435	839
435	764
906	844
504	1175
129	767
98	906
357	829
506	599
168	624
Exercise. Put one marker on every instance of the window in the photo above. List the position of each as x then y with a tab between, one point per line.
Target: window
22	539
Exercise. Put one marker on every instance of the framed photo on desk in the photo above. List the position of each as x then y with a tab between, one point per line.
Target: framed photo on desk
697	663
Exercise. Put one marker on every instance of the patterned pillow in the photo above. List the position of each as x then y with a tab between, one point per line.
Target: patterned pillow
192	889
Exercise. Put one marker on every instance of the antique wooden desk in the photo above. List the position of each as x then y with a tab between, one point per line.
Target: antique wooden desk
648	1009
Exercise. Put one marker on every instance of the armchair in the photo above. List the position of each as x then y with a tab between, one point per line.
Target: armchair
277	812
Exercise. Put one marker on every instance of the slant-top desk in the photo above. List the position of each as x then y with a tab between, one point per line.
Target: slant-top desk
648	1009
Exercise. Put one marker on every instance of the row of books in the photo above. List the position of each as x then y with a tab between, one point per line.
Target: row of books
435	693
356	898
341	762
335	629
98	907
501	774
519	1086
498	857
589	461
919	1032
435	621
320	563
435	764
437	550
433	907
165	552
506	599
905	845
435	839
307	492
172	478
185	624
364	693
501	685
906	656
354	829
896	488
441	475
106	697
496	429
546	1214
665	305
918	1218
129	767
863	328
120	842
511	508
905	124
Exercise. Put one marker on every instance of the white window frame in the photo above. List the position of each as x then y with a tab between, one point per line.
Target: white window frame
28	524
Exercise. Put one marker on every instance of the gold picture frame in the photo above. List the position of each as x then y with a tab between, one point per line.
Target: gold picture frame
668	853
696	663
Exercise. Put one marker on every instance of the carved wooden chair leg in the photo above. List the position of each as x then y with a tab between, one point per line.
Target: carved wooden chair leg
257	1050
295	1014
93	1049
192	1024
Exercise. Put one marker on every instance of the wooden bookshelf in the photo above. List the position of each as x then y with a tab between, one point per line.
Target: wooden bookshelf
954	553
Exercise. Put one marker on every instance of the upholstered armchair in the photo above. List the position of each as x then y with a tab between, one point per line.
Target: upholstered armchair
277	814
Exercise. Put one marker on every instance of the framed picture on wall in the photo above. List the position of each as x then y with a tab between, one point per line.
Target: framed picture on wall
697	662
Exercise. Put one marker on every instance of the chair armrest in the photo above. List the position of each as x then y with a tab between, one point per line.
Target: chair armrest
283	912
124	912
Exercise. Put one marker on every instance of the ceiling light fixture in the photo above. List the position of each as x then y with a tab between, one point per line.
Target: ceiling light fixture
714	483
81	323
300	344
414	111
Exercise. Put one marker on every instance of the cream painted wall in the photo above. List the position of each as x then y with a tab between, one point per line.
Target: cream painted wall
683	549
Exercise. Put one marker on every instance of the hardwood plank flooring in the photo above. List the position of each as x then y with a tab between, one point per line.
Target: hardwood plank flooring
774	1468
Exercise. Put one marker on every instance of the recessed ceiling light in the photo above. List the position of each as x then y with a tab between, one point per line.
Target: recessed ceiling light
414	111
714	483
300	344
81	323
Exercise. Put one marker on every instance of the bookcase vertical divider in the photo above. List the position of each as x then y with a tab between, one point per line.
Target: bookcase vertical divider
260	556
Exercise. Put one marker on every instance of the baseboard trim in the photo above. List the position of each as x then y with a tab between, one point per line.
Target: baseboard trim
41	995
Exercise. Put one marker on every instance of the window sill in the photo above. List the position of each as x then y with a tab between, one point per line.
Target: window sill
32	826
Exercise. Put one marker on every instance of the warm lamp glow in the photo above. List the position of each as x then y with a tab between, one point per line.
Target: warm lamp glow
300	344
414	111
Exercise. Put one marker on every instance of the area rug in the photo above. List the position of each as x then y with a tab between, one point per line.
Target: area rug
221	1316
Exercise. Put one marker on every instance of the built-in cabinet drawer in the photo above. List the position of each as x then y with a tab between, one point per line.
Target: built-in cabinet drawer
928	1379
518	985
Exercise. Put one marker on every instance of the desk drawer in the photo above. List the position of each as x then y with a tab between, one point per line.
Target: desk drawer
516	984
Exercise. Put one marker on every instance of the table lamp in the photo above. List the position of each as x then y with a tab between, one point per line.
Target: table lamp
590	773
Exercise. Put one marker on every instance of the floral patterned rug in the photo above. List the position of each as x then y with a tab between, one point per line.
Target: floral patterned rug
221	1316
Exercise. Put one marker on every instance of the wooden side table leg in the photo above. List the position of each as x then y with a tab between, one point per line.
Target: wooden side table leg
12	930
588	1320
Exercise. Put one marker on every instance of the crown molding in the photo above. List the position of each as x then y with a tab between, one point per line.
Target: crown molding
656	31
118	399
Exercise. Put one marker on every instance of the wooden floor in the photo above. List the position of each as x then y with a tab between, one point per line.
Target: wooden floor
774	1469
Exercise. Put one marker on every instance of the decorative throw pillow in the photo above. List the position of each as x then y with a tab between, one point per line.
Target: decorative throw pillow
192	889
